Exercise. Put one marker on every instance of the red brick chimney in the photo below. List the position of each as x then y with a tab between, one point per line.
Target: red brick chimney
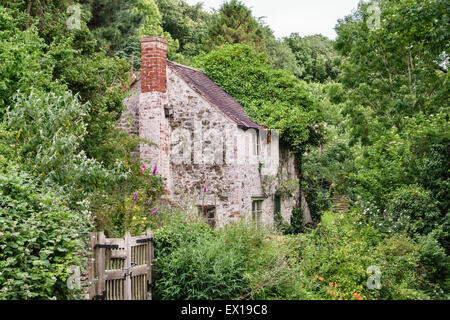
153	125
153	64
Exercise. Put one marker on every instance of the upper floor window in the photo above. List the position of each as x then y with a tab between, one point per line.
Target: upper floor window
256	144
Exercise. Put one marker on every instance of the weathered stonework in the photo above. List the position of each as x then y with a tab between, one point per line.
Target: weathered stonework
198	146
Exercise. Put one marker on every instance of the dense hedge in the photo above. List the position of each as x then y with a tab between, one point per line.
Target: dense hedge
40	238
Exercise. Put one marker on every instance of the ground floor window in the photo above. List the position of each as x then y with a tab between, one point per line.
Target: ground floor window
257	211
208	213
276	207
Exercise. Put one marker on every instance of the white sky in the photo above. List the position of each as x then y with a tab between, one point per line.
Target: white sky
307	17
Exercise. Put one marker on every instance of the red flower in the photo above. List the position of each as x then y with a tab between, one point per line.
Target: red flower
357	296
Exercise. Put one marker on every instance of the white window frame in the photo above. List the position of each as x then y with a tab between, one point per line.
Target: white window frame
257	210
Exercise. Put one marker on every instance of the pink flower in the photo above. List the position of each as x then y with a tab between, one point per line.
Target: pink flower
135	197
204	189
154	212
154	170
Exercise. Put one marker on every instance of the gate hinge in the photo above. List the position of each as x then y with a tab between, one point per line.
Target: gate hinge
144	240
106	246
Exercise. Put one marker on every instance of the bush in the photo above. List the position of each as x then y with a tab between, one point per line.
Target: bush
40	239
436	264
196	263
335	257
49	129
131	204
411	208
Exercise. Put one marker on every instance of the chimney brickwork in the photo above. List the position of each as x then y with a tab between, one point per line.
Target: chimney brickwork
153	64
153	125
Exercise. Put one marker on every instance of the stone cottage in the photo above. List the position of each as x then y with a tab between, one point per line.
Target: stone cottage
214	158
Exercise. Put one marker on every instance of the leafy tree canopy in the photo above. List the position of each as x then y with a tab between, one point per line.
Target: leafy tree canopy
275	98
234	23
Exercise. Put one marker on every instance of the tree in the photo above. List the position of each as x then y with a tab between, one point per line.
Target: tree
315	56
234	23
397	69
185	23
118	26
280	54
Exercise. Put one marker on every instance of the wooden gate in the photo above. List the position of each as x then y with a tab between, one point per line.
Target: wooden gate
122	268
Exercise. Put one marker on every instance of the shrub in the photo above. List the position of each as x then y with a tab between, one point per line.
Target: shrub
132	203
40	239
172	237
199	265
411	208
436	264
49	130
335	257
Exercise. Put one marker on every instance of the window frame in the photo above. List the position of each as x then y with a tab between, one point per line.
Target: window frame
257	212
256	144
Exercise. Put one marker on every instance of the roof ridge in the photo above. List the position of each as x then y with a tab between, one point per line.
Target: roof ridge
184	66
232	108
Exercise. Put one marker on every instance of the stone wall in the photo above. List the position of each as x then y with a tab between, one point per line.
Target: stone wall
199	146
208	149
205	157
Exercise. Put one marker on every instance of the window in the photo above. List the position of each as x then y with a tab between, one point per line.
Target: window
277	205
256	145
257	211
209	213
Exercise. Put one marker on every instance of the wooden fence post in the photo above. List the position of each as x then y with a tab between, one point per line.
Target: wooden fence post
100	257
91	265
150	254
128	265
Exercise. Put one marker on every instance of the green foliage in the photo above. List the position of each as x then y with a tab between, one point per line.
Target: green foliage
132	204
98	80
49	131
280	54
234	24
435	262
40	239
185	23
178	234
151	25
197	263
413	209
315	57
48	139
335	258
118	27
274	98
398	69
296	222
21	54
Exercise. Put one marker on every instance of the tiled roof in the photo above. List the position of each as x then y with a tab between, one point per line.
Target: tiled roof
214	94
